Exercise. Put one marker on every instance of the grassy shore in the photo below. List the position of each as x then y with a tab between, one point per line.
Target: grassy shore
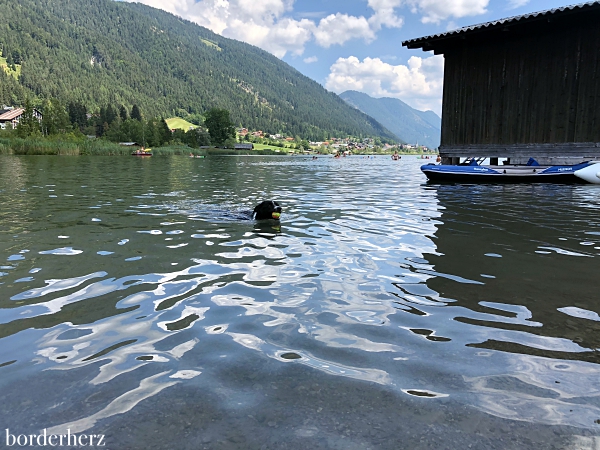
17	146
99	147
272	148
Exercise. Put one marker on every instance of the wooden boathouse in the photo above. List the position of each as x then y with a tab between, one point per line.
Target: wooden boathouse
521	87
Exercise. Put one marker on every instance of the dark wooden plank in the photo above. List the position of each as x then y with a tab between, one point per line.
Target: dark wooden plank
524	89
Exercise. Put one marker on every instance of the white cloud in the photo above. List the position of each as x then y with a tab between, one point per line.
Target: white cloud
339	28
512	4
311	59
268	24
286	35
419	83
385	14
434	11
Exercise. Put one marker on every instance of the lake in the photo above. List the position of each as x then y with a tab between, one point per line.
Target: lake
137	304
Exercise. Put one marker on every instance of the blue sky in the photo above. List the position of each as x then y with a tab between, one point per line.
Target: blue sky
353	44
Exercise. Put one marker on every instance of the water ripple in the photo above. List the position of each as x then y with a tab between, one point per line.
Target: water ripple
471	294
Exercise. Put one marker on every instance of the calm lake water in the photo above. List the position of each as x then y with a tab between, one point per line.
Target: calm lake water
383	313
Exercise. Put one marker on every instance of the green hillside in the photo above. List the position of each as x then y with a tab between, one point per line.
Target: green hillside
177	123
408	124
9	70
100	52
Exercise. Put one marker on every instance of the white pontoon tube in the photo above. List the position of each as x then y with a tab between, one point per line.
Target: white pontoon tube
591	174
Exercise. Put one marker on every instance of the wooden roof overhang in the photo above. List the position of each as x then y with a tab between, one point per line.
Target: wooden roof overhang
526	24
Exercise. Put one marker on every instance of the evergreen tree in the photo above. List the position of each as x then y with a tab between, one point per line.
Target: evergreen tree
16	57
100	122
123	113
136	113
110	115
165	132
78	115
152	133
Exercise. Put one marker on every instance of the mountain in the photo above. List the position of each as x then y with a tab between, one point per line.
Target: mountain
100	52
408	124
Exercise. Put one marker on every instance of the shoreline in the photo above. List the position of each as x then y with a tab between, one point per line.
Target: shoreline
47	147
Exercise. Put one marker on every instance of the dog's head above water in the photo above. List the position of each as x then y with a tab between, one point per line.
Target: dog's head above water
267	210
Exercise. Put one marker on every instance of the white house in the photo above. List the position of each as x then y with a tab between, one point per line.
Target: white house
10	116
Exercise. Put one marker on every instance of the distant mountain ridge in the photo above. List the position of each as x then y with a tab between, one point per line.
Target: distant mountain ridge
408	124
100	52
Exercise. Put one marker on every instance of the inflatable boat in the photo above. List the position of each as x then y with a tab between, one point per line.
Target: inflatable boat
472	172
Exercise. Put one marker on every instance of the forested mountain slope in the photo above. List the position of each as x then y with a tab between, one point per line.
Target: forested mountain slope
101	52
408	124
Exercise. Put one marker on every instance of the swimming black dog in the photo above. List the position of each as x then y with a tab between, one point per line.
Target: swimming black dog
267	210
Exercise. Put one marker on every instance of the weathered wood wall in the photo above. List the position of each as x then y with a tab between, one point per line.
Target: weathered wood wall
526	87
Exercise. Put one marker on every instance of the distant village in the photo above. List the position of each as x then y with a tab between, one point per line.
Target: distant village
333	145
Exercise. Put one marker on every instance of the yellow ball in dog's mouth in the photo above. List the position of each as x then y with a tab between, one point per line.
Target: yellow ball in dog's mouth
276	215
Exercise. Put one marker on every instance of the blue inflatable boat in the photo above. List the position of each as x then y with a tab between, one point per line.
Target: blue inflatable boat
471	172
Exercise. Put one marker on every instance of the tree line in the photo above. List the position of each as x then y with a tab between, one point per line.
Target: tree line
72	121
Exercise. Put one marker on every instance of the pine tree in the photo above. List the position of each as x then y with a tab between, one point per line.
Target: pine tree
165	132
111	114
136	113
152	133
78	115
100	122
16	57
